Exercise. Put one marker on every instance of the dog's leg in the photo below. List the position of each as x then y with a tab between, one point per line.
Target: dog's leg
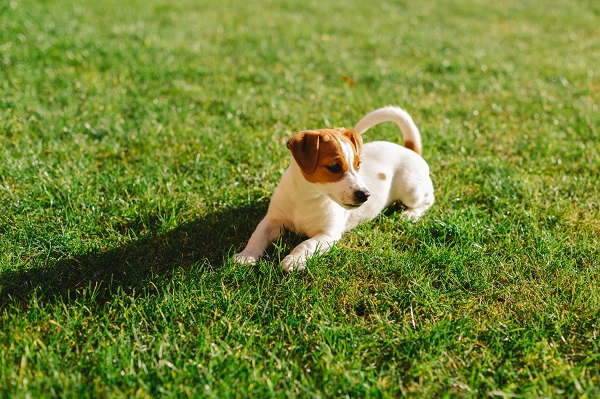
417	196
417	208
266	231
320	244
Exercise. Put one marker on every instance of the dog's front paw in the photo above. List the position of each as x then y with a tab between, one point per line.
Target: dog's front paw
293	263
243	259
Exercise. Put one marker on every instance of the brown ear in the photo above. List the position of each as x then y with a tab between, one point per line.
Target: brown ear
305	149
355	139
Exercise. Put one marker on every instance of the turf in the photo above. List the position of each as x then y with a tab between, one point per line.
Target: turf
140	142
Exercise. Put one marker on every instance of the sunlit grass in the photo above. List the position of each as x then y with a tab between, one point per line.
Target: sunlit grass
140	143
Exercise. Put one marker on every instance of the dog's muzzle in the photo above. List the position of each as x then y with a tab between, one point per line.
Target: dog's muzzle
361	196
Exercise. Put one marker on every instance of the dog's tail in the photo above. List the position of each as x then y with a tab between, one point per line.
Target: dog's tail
412	137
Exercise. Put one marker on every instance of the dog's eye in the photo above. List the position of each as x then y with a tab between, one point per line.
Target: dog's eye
358	165
337	168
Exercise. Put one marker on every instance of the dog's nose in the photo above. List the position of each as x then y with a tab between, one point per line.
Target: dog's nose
361	196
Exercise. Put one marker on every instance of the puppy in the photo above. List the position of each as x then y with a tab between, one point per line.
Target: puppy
335	182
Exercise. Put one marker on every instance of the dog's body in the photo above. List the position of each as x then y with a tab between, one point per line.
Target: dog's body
328	190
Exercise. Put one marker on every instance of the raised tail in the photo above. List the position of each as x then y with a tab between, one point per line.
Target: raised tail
412	137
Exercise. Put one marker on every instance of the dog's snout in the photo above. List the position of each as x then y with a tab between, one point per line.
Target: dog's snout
361	196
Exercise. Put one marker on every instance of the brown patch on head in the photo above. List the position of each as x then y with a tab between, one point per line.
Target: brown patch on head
412	146
319	153
305	148
382	176
356	140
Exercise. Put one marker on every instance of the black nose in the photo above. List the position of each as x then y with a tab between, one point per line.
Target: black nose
361	196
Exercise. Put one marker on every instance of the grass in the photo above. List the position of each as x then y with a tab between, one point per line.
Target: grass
140	143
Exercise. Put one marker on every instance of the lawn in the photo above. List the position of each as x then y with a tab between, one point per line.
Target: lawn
140	142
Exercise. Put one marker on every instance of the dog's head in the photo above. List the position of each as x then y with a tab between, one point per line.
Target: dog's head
330	158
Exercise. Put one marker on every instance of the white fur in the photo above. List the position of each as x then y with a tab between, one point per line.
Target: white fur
324	211
392	114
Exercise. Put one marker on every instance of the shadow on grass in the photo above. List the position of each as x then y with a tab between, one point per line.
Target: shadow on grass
203	243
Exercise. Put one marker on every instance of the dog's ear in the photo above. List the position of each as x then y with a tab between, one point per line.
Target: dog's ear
355	139
305	149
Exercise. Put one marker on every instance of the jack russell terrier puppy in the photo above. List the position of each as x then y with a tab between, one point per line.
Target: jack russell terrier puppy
335	182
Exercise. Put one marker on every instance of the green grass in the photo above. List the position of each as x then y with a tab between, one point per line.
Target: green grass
140	142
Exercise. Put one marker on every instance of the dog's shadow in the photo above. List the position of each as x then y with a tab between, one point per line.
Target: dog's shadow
204	243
